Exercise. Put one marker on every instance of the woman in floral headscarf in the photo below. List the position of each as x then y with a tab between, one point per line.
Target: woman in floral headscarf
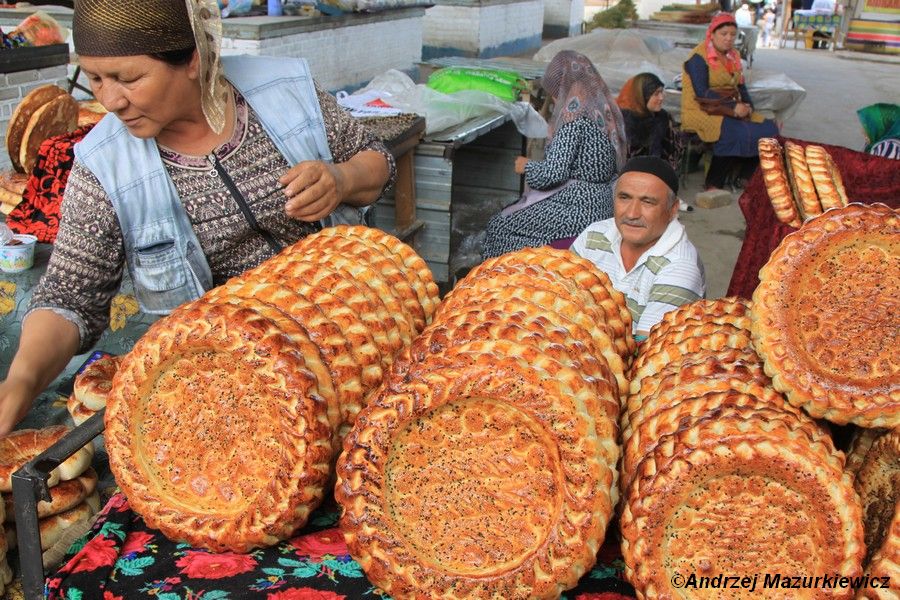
572	187
716	106
204	168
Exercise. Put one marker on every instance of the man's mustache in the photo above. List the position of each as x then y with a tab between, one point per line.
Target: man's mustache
634	222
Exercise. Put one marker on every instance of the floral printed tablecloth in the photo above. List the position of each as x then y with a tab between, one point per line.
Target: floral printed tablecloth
122	558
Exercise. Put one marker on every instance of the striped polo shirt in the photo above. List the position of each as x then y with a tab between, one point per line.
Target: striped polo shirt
666	276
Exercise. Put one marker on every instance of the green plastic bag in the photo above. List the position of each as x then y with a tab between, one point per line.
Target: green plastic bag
506	85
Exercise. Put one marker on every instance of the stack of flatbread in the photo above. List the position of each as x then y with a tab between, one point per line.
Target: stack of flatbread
486	466
74	499
801	182
721	475
223	422
873	460
46	111
826	318
91	388
12	187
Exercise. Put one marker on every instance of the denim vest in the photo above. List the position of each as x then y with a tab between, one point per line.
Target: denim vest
164	257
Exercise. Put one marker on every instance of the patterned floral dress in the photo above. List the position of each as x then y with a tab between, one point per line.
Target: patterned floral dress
122	558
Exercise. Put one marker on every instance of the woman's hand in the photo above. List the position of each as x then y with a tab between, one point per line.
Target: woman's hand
313	189
15	401
521	161
742	110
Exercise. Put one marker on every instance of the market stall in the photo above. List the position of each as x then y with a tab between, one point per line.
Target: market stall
482	28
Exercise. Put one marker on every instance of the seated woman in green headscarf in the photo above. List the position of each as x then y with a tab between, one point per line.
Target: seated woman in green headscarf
881	126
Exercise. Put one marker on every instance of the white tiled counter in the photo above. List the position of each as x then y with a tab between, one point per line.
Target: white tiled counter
482	28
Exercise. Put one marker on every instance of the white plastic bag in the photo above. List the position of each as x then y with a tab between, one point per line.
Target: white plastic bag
442	111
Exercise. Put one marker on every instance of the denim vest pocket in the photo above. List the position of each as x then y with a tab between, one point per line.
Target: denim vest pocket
159	268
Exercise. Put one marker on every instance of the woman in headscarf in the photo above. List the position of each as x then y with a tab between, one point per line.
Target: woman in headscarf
881	126
716	106
204	168
649	129
572	187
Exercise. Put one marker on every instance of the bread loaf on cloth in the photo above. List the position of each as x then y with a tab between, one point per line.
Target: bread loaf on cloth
801	180
775	176
825	318
20	446
829	188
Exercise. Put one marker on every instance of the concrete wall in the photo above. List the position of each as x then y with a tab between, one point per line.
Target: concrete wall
346	55
14	87
563	18
483	28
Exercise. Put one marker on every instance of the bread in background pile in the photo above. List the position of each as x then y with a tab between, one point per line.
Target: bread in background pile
91	388
801	182
486	464
12	187
73	484
721	475
45	112
223	422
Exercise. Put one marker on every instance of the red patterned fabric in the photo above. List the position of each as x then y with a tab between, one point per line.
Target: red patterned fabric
867	178
38	213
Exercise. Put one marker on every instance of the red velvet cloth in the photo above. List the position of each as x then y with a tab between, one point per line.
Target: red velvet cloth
867	178
38	213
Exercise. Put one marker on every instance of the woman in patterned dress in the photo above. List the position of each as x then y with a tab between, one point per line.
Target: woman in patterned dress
220	159
572	187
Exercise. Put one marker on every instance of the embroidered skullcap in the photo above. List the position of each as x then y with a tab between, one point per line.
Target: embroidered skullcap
132	27
655	166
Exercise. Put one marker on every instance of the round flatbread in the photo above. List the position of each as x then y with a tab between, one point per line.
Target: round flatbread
212	430
20	446
509	531
739	497
860	444
63	496
93	384
826	319
775	176
21	116
56	117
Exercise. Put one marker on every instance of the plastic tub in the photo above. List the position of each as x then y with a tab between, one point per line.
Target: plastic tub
15	258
